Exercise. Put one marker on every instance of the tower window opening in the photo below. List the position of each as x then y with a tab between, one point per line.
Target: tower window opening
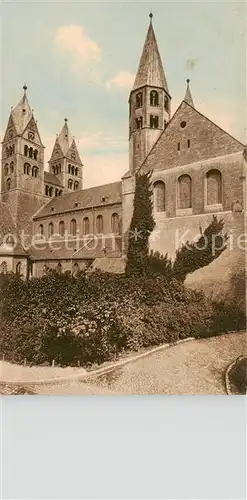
56	192
70	184
165	124
73	170
188	143
8	184
30	153
12	167
25	150
6	169
47	190
27	168
76	185
139	99
139	122
154	98
178	146
69	168
166	103
35	154
76	171
154	121
35	172
51	191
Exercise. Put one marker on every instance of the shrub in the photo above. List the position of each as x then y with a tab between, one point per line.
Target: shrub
238	375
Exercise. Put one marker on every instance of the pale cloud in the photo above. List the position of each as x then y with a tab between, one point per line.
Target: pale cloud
84	53
123	79
102	169
191	64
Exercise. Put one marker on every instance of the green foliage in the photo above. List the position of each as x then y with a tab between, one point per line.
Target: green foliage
92	319
208	247
238	375
142	224
159	264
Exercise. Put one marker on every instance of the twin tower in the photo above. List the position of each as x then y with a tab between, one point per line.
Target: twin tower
26	186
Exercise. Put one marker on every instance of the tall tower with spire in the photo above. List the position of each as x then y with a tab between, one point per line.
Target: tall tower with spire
149	102
65	161
22	169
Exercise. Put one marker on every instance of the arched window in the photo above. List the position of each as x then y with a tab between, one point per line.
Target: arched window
51	191
115	223
154	121
154	98
139	122
25	150
13	149
12	167
99	224
184	192
166	103
35	154
61	228
50	229
139	99
86	225
35	171
73	170
7	151
27	168
60	192
41	230
214	187
47	190
69	168
3	268
59	268
18	268
53	170
6	169
56	191
76	185
70	184
76	171
30	153
73	227
159	191
8	184
75	269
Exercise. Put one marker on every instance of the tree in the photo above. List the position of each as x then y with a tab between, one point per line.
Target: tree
142	224
193	256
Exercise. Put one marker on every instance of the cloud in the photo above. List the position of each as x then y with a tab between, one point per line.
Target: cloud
85	54
102	169
191	64
123	79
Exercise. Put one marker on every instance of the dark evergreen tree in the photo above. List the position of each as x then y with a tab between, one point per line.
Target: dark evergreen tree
160	264
208	247
142	224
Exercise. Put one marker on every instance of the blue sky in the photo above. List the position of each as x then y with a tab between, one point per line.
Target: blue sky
79	59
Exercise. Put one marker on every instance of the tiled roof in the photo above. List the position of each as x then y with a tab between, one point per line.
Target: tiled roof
7	228
150	70
87	198
52	179
88	249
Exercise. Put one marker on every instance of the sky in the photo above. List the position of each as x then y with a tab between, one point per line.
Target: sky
79	60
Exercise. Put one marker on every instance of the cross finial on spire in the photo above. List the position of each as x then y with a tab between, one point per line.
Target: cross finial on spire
151	16
25	88
65	119
188	81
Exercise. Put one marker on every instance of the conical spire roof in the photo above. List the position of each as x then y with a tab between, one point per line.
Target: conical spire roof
150	70
65	138
22	113
188	96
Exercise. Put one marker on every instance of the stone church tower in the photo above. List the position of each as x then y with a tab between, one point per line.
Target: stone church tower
149	102
65	161
22	169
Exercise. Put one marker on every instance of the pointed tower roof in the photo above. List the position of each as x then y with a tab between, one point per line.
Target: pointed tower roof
65	138
188	96
22	113
150	70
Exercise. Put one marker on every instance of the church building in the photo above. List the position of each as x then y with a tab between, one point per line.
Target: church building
198	170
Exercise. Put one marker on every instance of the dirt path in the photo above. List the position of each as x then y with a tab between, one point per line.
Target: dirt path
194	367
